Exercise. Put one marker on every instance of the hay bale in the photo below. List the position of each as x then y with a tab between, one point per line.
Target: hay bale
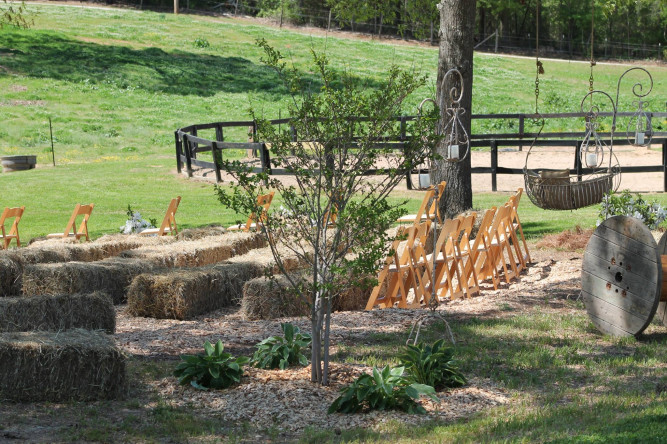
66	250
77	364
201	232
112	276
197	253
10	276
185	293
55	313
265	298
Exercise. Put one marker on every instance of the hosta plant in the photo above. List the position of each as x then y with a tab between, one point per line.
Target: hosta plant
215	369
432	365
282	351
385	389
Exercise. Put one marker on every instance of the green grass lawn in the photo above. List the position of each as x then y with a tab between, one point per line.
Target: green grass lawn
117	83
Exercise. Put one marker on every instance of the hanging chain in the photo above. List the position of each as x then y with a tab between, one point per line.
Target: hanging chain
538	63
593	62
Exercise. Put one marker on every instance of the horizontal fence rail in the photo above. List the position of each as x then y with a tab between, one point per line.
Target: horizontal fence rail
188	144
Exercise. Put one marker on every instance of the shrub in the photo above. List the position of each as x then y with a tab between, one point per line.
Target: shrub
281	352
215	369
626	204
432	365
386	389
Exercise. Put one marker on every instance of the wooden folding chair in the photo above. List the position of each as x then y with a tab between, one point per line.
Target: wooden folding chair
168	223
8	213
426	211
481	256
263	201
70	230
516	225
401	272
463	257
443	251
499	245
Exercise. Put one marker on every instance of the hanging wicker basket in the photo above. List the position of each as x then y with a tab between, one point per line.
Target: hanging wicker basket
558	190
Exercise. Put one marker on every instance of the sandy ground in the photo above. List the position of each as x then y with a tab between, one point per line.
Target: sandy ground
553	158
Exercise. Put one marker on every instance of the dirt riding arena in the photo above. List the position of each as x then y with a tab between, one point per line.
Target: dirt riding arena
541	157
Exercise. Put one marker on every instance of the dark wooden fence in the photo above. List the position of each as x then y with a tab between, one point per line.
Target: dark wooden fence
188	144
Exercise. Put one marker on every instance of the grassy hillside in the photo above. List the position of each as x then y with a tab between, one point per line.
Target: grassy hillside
116	83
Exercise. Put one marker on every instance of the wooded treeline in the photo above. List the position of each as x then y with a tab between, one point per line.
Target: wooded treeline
565	25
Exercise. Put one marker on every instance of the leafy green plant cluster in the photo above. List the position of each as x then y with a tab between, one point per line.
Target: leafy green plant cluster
215	369
627	204
282	351
433	365
386	389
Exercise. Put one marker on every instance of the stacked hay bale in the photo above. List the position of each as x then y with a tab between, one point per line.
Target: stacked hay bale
270	298
13	262
185	293
200	252
76	364
56	313
114	275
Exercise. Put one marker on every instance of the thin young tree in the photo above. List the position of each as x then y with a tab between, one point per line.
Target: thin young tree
335	218
14	14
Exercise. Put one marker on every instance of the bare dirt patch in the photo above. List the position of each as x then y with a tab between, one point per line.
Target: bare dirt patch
541	157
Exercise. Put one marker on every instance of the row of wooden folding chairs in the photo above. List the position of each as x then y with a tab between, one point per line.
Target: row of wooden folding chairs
411	277
83	213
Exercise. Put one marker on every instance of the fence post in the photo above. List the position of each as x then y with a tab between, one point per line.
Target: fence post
188	154
494	165
218	133
179	152
495	49
664	165
215	151
577	160
194	133
521	129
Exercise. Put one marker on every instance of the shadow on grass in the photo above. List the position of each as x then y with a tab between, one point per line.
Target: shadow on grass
51	55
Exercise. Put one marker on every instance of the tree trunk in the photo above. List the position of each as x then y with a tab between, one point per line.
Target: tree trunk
457	27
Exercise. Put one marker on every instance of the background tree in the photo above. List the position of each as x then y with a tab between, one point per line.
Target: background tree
341	129
457	27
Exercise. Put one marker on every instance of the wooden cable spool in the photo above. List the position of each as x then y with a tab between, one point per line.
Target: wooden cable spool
622	277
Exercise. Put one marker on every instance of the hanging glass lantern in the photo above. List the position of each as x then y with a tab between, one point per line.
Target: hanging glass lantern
457	142
592	147
640	125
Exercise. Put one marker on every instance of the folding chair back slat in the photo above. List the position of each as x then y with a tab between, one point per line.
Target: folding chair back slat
516	225
9	213
263	201
71	230
168	223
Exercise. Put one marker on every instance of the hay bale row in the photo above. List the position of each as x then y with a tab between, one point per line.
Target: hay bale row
185	293
67	250
77	364
265	298
200	252
112	276
56	313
